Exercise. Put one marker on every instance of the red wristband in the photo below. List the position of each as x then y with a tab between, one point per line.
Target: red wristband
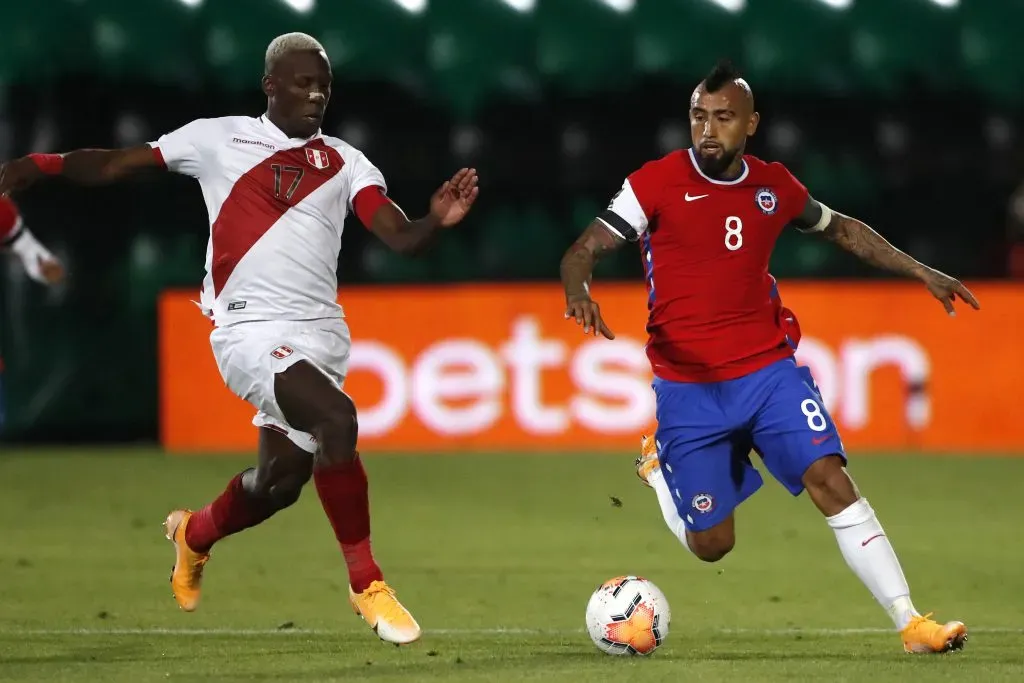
50	164
366	203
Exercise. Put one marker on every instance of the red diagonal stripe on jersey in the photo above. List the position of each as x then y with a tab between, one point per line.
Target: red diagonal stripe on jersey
252	207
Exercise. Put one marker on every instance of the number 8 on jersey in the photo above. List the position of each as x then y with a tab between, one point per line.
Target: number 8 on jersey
733	233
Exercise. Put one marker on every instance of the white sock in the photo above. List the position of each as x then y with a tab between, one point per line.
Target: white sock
870	555
668	506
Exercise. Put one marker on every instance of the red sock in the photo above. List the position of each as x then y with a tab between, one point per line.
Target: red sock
345	495
231	512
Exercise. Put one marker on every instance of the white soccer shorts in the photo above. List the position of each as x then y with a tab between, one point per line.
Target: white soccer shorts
249	354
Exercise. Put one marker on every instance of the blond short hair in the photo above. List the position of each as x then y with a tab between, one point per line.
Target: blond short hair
287	43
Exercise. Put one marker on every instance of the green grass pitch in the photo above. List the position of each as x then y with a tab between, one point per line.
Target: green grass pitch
496	555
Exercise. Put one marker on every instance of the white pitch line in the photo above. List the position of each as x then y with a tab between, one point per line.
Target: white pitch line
451	631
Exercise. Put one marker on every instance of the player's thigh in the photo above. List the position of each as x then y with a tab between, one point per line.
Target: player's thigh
312	356
309	392
708	482
251	356
245	356
705	462
792	428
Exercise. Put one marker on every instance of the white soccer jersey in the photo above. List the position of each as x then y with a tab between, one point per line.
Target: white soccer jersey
277	208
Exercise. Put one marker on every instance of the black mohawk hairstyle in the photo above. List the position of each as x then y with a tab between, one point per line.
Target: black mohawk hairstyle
724	72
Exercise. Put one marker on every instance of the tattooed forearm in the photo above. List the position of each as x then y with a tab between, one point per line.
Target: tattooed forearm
860	240
577	266
577	269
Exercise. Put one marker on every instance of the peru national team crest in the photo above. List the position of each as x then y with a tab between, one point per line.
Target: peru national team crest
281	352
766	201
317	158
703	502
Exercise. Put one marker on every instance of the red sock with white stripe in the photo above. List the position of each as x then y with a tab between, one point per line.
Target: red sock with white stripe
345	495
869	554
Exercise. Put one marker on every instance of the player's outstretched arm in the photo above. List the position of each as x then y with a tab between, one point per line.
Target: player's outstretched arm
84	166
15	237
39	263
577	270
448	206
859	239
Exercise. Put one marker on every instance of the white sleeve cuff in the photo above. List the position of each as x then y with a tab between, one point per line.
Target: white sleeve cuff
826	218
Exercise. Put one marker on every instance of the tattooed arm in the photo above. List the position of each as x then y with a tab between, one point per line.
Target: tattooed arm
860	240
577	269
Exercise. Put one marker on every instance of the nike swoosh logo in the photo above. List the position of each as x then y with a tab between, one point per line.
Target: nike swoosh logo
864	543
692	198
818	440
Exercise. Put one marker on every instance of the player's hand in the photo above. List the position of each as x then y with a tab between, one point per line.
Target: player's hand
587	313
17	175
453	200
51	270
947	290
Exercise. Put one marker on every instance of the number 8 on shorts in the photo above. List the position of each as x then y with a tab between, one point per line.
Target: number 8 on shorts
812	411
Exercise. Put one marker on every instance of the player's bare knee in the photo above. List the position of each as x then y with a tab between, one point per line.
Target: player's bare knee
286	492
277	490
711	546
279	480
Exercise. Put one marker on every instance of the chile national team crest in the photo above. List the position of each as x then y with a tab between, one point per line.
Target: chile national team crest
317	158
766	201
703	502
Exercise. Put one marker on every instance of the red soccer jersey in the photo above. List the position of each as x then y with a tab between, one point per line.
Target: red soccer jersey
715	312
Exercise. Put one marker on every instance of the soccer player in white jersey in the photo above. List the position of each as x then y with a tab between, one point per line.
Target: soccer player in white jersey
278	191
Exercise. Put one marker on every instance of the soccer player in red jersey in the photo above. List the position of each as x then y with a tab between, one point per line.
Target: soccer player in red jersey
39	263
721	344
16	238
277	192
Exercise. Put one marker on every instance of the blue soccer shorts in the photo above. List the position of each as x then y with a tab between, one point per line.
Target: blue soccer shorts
706	432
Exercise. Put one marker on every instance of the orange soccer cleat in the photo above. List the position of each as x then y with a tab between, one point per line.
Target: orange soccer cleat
187	574
648	460
925	636
388	618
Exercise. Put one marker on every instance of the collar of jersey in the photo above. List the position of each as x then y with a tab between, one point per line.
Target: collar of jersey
278	133
737	181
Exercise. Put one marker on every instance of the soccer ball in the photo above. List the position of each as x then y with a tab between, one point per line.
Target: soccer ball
628	615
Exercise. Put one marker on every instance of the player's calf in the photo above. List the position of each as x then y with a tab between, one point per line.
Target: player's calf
313	404
868	552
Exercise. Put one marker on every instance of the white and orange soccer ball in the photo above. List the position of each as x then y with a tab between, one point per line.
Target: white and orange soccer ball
628	615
